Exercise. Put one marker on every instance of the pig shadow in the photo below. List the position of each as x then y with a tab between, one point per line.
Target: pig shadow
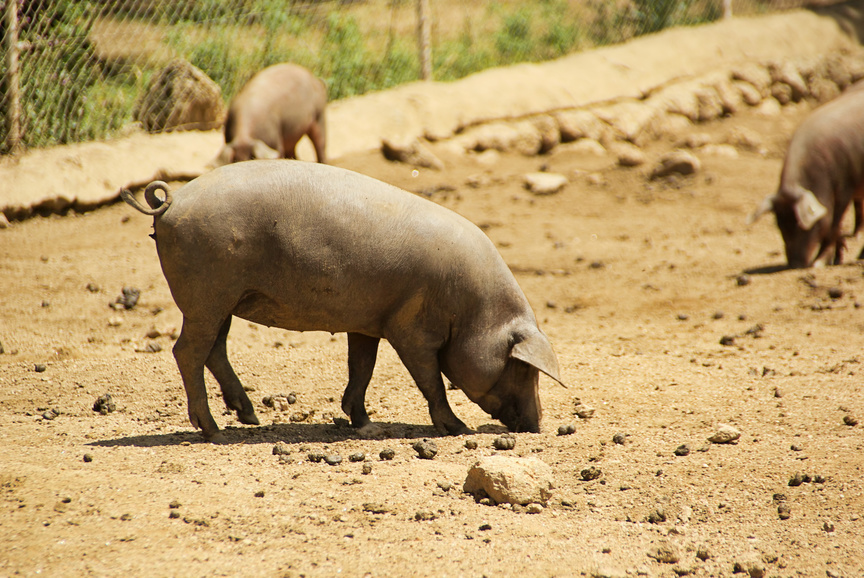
290	433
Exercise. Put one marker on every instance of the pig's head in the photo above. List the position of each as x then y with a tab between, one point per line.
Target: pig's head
802	220
238	151
514	398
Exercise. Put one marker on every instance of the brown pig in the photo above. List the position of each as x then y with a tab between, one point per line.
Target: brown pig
272	112
822	174
305	246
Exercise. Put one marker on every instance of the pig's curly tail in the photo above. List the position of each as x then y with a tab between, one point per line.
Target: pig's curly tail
157	205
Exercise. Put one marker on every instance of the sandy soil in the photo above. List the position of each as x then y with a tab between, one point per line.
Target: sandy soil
634	281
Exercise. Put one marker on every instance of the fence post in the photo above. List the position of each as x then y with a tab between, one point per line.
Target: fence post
727	9
12	104
424	31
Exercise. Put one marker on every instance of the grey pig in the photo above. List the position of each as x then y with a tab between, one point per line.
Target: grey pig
272	112
822	174
305	246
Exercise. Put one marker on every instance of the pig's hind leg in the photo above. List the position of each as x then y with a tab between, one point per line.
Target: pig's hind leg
192	350
232	390
362	353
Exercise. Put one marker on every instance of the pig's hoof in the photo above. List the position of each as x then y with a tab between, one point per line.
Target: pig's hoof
370	430
248	418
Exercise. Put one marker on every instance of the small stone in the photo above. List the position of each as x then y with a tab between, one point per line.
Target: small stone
658	516
104	404
129	298
584	412
259	494
174	504
445	485
504	442
173	514
299	416
778	392
333	459
88	458
566	430
315	457
676	163
619	438
727	340
590	473
281	449
93	288
819	479
665	553
828	526
798	478
703	553
426	449
725	434
743	280
357	457
424	516
683	317
387	454
534	508
545	183
40	368
471	444
835	293
50	414
375	508
796	448
682	450
784	511
367	469
850	420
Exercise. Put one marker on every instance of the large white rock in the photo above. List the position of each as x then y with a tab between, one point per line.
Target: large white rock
511	480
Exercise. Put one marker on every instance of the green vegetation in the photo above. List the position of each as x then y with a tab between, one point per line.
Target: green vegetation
69	94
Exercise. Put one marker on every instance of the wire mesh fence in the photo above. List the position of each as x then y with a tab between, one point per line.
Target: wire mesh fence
78	70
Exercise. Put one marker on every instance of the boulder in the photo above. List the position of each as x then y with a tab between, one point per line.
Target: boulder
511	480
181	97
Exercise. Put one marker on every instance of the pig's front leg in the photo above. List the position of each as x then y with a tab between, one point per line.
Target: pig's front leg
232	390
424	368
362	353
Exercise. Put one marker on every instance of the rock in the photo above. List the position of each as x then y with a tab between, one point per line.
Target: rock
316	457
357	457
709	104
743	280
590	473
725	434
471	444
444	485
181	97
676	162
387	454
367	469
619	438
682	450
128	299
544	183
749	93
88	458
665	553
40	368
424	516
281	449
850	420
629	155
510	480
566	430
583	411
104	404
755	75
581	124
413	153
788	74
550	134
426	449
333	459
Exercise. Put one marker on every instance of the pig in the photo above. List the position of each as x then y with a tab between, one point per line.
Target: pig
305	246
272	112
823	173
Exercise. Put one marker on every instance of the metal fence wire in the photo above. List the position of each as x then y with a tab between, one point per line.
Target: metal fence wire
79	70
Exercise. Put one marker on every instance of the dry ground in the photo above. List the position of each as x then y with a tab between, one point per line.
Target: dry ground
634	281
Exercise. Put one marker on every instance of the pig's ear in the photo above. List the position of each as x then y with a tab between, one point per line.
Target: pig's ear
264	152
225	156
808	210
766	206
534	349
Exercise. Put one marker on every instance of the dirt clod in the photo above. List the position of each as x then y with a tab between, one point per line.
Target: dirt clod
504	442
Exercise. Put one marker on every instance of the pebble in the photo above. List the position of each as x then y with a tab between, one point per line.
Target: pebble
50	414
584	412
743	280
566	430
173	514
445	485
259	494
590	473
835	293
850	420
784	511
799	478
725	434
88	458
665	553
333	460
104	404
426	449
174	504
39	367
281	449
316	457
796	448
504	442
367	469
357	457
387	454
534	508
727	340
471	444
682	450
424	516
828	526
619	438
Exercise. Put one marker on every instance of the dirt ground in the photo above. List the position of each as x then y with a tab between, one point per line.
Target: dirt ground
634	281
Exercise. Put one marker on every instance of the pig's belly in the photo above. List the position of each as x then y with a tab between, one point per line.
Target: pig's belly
319	314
